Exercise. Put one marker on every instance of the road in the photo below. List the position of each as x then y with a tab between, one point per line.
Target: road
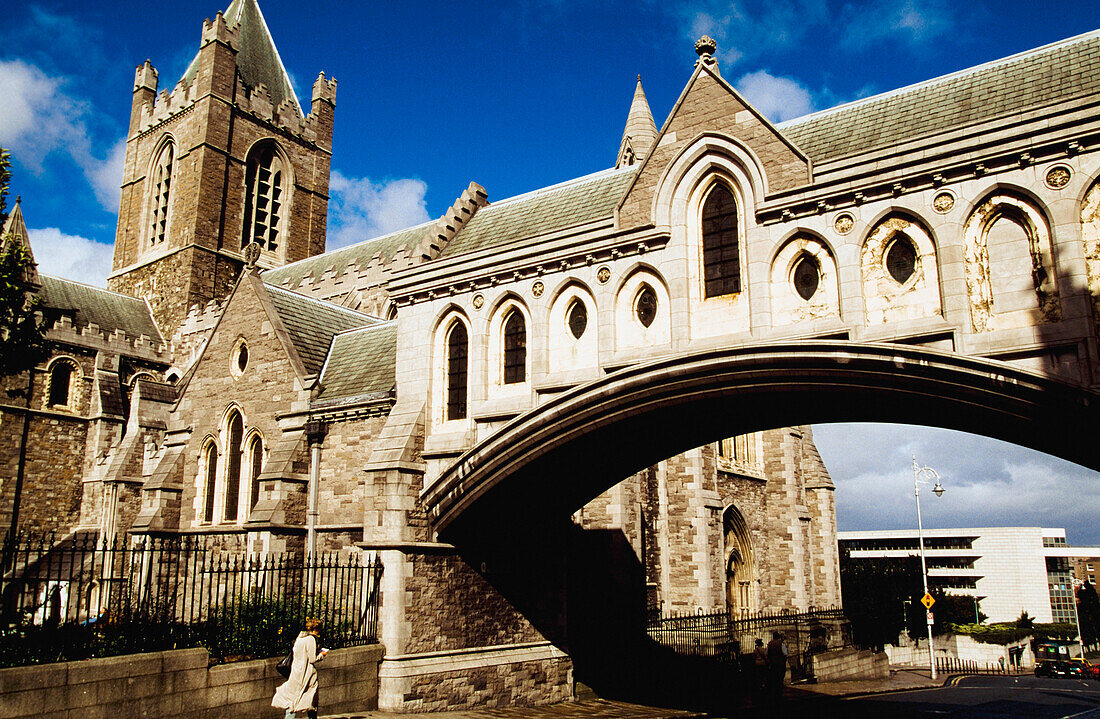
980	697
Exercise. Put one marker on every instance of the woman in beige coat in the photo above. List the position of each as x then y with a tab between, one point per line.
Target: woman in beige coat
299	692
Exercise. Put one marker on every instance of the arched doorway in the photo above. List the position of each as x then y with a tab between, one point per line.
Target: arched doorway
740	564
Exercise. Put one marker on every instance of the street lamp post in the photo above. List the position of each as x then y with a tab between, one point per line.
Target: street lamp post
925	475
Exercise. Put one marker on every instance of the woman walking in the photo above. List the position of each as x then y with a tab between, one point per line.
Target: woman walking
299	692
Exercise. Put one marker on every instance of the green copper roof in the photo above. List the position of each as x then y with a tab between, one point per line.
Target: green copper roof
312	323
541	212
94	305
361	254
1044	76
361	363
258	61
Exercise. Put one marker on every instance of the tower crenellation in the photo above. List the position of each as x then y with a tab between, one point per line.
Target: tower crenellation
194	153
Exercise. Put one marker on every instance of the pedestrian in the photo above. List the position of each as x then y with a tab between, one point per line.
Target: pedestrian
299	692
777	666
760	664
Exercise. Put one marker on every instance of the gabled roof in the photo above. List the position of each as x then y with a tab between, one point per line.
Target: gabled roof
311	324
1044	76
258	61
551	209
361	254
361	364
86	305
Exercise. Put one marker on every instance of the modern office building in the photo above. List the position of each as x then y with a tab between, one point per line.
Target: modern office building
1007	570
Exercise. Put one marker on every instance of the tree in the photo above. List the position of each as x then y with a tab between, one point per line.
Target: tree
22	326
5	178
1025	621
879	596
1088	613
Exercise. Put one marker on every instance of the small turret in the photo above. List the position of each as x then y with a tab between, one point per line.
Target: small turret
640	132
145	93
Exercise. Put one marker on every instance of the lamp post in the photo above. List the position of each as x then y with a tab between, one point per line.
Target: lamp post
924	475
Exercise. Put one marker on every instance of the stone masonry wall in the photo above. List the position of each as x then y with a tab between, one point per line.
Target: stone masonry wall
180	683
343	489
529	683
452	607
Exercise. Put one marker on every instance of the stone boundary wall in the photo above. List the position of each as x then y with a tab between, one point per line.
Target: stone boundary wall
843	664
179	683
520	675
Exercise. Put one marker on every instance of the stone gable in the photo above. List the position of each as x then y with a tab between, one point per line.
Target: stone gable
709	105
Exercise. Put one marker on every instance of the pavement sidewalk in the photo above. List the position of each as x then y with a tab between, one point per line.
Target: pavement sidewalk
899	680
587	709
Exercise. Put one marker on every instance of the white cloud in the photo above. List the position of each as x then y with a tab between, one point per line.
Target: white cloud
988	483
916	21
71	256
360	209
106	177
779	98
38	118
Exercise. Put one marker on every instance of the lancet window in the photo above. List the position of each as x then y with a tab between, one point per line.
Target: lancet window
721	254
458	351
266	183
161	192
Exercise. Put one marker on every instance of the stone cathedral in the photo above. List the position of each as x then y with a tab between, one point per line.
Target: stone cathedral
232	357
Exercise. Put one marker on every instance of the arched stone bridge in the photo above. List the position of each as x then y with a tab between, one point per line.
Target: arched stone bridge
584	441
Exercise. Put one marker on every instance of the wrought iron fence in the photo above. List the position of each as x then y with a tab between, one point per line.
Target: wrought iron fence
726	638
74	597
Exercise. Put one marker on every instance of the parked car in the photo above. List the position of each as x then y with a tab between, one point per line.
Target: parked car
1088	669
1058	668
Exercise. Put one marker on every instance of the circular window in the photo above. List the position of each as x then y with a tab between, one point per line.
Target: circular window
577	318
240	359
806	277
901	259
645	307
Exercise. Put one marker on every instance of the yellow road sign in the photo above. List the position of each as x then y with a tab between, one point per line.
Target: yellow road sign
927	601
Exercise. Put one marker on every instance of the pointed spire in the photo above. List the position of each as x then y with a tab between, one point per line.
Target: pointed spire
258	60
640	132
15	230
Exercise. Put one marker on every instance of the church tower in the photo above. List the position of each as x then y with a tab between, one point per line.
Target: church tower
223	166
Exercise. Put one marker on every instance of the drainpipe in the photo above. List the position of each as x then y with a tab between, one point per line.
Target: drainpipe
315	431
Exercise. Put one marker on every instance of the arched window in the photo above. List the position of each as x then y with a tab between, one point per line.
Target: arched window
577	317
458	350
901	258
645	307
233	449
161	189
721	260
61	376
211	478
265	182
740	564
806	276
515	348
256	459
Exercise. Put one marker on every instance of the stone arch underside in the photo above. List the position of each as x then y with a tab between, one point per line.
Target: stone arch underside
586	440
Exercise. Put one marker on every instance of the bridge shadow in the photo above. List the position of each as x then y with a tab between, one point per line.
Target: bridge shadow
584	590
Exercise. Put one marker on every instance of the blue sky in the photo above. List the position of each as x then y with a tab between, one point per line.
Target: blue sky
518	96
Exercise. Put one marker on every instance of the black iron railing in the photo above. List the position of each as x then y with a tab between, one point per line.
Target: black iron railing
729	638
75	597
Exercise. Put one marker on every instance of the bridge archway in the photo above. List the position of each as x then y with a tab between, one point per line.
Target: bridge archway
555	458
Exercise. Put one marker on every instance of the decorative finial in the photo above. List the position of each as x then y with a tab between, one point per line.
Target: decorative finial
18	199
705	47
251	255
639	78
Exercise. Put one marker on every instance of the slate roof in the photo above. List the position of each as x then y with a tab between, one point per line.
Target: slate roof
312	323
360	254
541	212
1044	76
258	61
86	304
361	363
